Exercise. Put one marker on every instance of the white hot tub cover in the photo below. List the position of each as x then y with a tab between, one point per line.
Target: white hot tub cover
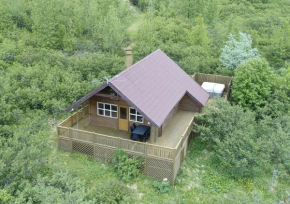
208	86
219	88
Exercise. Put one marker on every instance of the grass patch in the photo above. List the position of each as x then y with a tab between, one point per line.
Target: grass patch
137	22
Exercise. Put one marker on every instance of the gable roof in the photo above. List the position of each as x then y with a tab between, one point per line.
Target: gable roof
154	86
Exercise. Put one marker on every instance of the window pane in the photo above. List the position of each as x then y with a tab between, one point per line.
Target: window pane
114	108
107	106
100	112
107	113
123	113
133	117
139	114
132	110
140	119
114	114
100	105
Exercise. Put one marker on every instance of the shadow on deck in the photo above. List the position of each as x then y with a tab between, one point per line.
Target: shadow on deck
172	134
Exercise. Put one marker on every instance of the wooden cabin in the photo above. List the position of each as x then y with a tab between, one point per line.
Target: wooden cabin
156	95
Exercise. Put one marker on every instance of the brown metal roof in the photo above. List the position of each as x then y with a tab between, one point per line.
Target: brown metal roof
153	86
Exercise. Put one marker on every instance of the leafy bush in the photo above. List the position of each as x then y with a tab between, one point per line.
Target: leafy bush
231	133
276	132
58	187
162	186
112	192
237	51
252	84
126	168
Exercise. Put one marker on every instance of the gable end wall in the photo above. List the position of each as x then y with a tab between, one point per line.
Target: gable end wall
188	104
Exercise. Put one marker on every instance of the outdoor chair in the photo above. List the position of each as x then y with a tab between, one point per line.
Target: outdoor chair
135	137
131	130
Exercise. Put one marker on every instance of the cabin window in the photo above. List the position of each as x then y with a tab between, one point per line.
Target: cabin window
135	116
107	110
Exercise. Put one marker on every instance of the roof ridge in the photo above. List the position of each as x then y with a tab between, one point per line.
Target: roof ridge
132	66
184	72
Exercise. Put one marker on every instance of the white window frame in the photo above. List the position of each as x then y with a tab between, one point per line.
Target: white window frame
136	115
104	104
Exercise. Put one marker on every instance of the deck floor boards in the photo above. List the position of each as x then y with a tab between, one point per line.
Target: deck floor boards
103	130
173	132
170	135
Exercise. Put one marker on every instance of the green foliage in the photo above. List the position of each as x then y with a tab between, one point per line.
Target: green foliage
276	132
4	196
239	51
52	53
23	154
252	84
56	188
126	168
231	132
162	186
112	192
181	41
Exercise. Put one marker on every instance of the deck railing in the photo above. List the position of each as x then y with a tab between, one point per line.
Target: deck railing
96	145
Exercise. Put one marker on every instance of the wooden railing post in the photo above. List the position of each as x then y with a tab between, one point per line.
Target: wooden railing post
57	129
70	140
94	146
145	158
83	111
173	166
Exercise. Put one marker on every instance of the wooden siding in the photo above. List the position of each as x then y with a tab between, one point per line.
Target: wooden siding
188	104
107	121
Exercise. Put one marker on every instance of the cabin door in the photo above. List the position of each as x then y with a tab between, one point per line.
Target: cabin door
123	118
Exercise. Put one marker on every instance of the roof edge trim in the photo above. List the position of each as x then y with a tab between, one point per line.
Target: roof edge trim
86	97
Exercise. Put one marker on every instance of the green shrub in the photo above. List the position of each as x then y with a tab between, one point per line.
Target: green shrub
231	133
162	186
111	192
126	168
252	84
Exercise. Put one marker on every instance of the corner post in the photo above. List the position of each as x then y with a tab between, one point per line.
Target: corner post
173	161
145	158
70	140
83	111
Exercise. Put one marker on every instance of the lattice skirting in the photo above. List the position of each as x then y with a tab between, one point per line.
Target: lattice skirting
104	153
83	148
64	144
159	169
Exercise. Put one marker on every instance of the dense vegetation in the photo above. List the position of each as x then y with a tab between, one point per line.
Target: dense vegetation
53	52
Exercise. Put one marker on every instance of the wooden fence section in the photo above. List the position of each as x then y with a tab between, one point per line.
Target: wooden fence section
160	162
226	80
181	149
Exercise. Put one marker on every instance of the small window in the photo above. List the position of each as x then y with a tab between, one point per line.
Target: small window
107	110
135	116
123	113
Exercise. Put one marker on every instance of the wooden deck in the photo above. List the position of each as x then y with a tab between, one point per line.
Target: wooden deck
173	132
81	125
170	135
161	159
